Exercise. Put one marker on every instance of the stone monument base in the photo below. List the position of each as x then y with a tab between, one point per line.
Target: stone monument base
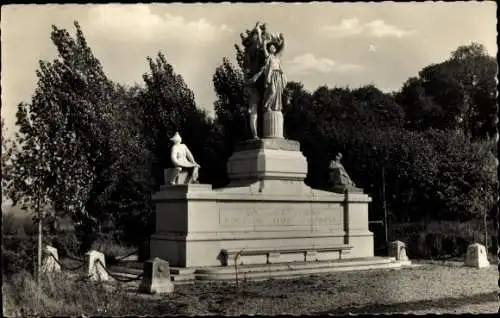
198	226
267	215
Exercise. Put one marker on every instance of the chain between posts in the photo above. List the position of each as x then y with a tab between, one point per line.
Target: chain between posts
122	280
113	275
63	265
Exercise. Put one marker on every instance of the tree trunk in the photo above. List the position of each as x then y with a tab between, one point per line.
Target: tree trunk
39	259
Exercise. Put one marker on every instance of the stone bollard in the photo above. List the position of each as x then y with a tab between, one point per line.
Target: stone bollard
476	256
397	249
156	277
50	263
96	270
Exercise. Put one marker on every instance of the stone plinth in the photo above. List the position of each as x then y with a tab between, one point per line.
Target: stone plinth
273	124
285	221
156	279
476	256
267	159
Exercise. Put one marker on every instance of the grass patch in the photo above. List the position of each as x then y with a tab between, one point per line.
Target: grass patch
66	294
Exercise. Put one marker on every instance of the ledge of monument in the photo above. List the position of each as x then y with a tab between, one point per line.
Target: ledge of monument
267	143
185	188
342	189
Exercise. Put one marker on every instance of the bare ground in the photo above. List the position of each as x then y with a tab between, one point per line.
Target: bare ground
429	288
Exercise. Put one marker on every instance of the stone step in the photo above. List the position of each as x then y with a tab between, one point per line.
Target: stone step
182	271
298	265
266	271
185	277
182	278
292	271
292	275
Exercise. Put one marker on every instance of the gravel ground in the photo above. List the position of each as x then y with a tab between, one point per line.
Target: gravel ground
428	288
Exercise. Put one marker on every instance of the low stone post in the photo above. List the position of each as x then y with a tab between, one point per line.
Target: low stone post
156	277
397	249
96	266
50	263
476	256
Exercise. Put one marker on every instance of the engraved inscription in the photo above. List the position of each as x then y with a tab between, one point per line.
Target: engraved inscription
287	216
330	216
236	217
266	216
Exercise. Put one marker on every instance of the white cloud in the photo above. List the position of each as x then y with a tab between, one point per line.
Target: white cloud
376	28
372	48
379	28
347	27
308	62
131	22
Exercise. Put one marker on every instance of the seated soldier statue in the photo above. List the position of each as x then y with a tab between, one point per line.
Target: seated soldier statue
339	177
184	164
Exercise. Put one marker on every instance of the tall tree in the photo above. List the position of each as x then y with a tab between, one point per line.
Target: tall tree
458	93
232	118
169	107
231	106
7	149
64	148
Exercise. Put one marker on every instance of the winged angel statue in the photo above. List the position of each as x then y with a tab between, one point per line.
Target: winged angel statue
264	74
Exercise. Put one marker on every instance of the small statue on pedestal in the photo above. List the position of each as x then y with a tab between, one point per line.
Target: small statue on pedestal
339	178
185	167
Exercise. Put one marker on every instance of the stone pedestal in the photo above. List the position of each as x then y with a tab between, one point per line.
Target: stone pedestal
267	159
266	215
273	124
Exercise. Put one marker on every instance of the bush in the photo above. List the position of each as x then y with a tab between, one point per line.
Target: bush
18	253
12	224
64	295
66	242
112	249
439	240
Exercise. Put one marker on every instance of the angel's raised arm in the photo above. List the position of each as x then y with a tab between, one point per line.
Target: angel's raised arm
282	42
264	46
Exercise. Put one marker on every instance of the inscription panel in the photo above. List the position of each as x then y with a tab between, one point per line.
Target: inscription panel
236	217
281	217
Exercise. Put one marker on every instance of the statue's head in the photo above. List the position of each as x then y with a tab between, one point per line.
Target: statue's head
272	49
176	139
274	46
338	157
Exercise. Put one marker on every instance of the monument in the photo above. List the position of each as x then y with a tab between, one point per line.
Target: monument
266	216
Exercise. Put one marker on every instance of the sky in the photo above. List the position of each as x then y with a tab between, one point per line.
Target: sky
333	44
